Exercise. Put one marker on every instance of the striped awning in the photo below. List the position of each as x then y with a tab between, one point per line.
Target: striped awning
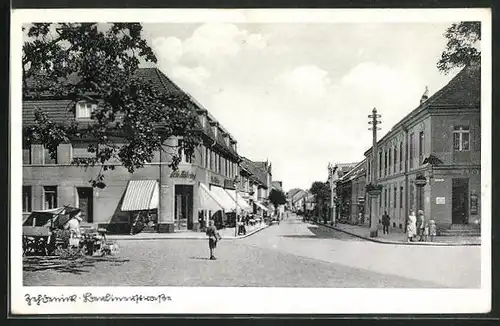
141	195
261	206
210	201
242	203
224	197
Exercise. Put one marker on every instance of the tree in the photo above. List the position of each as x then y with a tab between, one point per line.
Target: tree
97	63
321	192
461	48
277	197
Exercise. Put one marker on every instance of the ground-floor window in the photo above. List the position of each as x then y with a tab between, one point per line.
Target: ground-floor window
26	198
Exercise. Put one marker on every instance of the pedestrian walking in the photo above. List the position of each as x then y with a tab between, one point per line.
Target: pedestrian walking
432	230
420	225
411	228
386	221
213	238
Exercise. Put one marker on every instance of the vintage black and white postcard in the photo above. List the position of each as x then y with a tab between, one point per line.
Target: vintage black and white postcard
250	161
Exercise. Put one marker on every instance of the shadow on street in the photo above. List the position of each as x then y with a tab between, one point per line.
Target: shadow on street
319	232
73	265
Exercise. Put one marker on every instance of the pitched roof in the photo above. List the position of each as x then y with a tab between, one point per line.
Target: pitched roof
256	171
355	172
292	192
462	91
60	110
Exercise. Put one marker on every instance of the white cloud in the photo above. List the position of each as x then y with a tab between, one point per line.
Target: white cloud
193	76
168	49
307	80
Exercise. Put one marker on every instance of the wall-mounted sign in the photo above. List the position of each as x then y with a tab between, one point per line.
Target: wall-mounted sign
438	180
183	174
474	200
440	200
229	184
215	180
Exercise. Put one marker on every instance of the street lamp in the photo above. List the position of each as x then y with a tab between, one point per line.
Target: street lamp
236	181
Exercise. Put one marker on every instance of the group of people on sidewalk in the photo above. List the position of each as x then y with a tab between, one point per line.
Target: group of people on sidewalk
417	228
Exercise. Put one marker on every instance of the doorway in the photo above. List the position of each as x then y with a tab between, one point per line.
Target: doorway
459	202
86	203
183	207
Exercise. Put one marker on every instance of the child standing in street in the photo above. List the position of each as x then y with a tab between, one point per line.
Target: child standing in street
432	230
426	232
213	237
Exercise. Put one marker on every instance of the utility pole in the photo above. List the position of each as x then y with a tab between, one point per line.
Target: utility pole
331	171
375	191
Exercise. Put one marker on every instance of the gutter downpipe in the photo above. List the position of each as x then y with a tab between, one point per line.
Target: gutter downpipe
406	192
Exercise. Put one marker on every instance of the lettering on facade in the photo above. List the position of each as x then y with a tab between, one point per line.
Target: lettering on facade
229	184
215	180
440	200
438	180
183	175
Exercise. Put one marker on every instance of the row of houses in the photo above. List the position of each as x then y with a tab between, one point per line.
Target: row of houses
430	161
216	178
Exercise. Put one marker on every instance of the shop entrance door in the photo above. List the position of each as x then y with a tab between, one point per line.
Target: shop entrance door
459	202
85	203
184	207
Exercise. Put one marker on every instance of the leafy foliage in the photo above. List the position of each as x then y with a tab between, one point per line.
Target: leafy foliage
277	197
461	47
97	63
320	190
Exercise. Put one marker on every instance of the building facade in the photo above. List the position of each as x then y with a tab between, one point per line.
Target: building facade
175	200
439	144
351	195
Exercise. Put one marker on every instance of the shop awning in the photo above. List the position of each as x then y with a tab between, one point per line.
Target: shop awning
242	203
259	205
224	197
141	195
210	201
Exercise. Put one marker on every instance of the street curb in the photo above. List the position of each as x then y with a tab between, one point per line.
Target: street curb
437	244
131	238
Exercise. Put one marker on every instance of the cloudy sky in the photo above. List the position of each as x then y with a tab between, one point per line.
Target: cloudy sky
299	94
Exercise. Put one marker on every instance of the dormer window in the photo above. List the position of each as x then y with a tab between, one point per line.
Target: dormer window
84	110
203	119
215	131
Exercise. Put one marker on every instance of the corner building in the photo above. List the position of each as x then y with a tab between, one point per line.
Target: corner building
175	200
439	141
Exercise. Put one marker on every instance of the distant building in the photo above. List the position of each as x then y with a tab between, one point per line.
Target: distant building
350	190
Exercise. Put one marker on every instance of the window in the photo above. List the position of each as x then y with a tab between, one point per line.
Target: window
46	157
411	149
401	156
49	197
380	164
211	160
385	197
26	153
401	197
421	147
389	161
395	163
461	138
207	157
182	153
81	150
385	163
412	197
395	197
368	170
84	110
26	198
203	120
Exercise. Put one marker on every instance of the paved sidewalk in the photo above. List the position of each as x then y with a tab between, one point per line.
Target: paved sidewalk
227	233
396	236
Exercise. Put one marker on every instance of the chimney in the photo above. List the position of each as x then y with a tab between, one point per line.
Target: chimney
425	96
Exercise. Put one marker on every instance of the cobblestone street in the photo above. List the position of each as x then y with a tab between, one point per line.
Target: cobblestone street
292	254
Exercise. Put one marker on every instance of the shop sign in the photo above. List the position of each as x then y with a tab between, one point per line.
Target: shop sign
183	174
229	184
473	204
215	180
440	200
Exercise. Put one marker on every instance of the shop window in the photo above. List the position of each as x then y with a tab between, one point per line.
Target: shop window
461	138
49	197
84	110
26	198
